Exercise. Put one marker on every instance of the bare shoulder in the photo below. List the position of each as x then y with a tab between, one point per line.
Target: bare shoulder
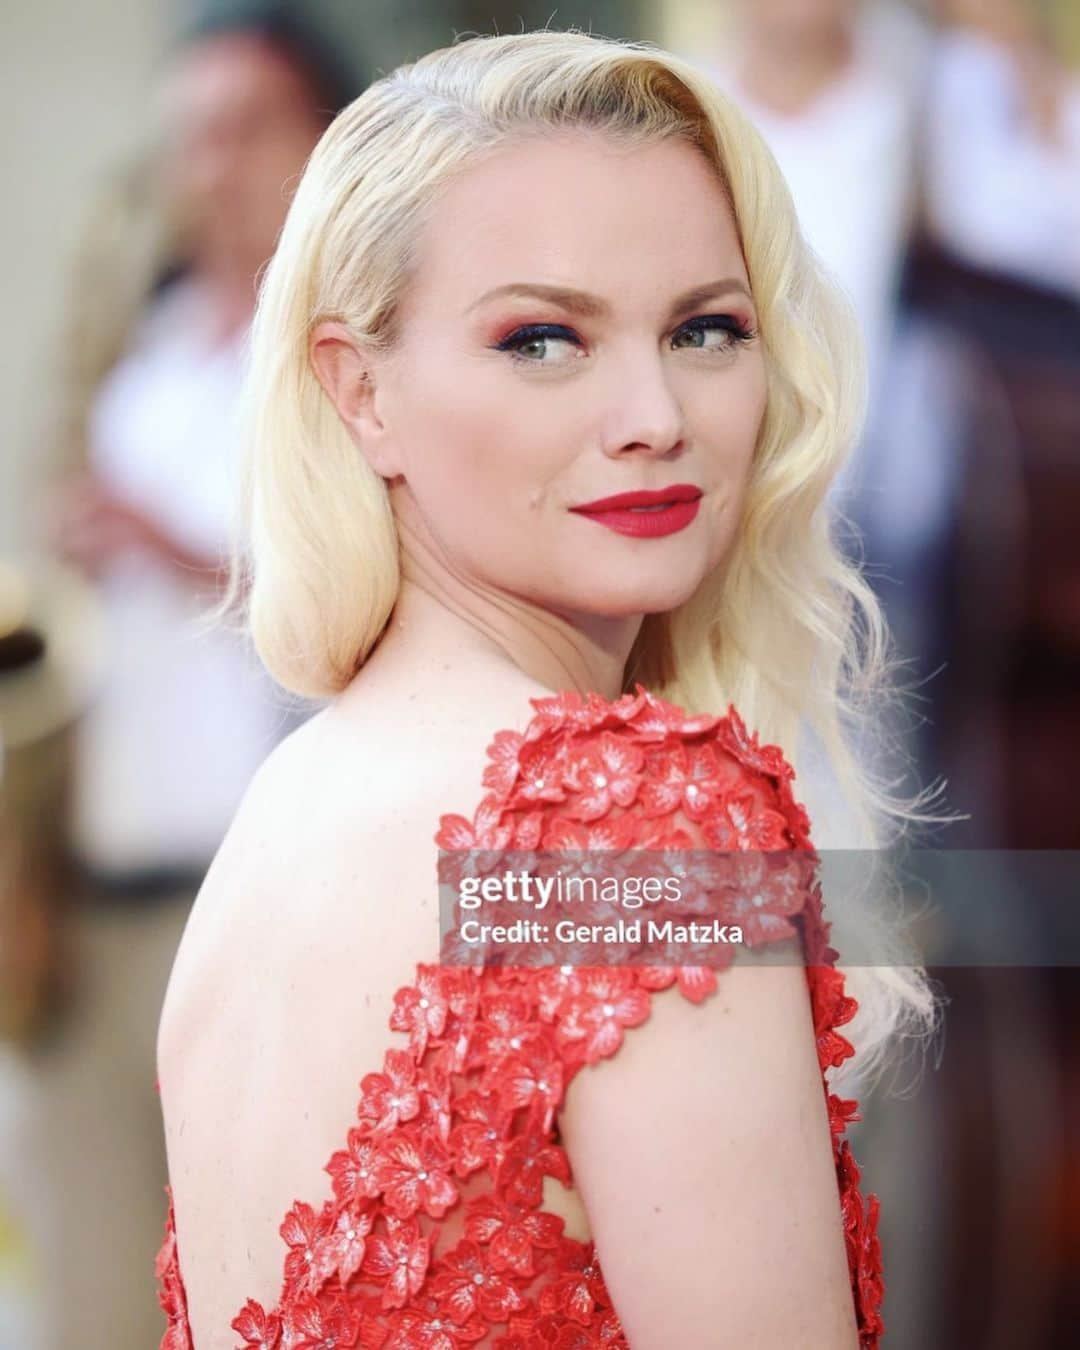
265	828
348	802
318	906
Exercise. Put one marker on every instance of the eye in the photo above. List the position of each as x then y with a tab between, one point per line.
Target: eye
534	342
730	331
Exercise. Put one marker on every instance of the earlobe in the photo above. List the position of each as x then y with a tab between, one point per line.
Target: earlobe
346	376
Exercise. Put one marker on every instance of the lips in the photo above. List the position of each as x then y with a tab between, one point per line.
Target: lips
645	515
622	501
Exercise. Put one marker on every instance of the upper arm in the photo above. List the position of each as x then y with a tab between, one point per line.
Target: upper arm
703	1154
702	1149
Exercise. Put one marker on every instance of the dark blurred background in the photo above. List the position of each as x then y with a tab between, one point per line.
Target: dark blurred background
934	153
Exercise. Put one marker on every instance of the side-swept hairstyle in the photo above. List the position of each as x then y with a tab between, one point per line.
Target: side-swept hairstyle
787	629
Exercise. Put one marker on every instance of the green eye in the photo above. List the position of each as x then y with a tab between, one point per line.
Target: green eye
732	333
531	343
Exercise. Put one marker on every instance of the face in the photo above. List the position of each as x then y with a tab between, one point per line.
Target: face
241	121
579	325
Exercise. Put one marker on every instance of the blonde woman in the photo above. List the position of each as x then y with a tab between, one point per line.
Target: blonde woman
547	393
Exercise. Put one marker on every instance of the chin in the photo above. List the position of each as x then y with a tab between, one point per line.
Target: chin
652	595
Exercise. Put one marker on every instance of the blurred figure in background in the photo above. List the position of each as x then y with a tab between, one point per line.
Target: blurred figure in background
1003	145
834	87
1000	267
183	716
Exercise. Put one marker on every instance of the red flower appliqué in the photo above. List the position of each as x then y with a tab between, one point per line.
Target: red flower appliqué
462	1120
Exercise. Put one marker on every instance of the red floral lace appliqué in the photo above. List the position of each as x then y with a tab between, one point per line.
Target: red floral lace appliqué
492	1050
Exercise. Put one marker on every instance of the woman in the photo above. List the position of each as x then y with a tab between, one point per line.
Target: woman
520	277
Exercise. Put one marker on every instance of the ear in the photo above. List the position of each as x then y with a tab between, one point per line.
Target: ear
346	373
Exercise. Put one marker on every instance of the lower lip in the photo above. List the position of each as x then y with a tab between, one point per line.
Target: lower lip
646	524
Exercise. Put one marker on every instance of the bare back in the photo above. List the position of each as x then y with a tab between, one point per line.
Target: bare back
316	910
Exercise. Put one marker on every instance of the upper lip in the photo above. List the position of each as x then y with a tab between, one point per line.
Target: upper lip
678	492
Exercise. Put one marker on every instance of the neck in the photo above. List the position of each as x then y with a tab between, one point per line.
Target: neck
445	616
787	75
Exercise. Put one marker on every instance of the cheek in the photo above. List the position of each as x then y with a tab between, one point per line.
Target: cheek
480	473
728	419
730	424
456	443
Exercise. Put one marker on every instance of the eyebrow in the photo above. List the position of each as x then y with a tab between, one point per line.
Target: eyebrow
592	307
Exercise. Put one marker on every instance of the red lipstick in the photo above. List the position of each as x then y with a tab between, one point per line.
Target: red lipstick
645	515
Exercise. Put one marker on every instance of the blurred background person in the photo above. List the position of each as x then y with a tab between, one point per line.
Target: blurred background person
834	86
1003	144
997	268
907	133
182	717
185	716
837	87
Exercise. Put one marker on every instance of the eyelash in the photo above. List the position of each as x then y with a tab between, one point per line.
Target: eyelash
739	334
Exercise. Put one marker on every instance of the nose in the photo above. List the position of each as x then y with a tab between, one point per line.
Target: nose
646	417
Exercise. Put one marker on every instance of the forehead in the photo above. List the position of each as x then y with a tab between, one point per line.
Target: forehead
582	209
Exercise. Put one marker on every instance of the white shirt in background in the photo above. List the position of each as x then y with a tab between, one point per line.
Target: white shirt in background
183	718
998	193
849	160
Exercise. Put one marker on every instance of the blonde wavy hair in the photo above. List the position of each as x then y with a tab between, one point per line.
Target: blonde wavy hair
787	630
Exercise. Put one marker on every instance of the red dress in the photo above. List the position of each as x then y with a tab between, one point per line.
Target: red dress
467	1116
